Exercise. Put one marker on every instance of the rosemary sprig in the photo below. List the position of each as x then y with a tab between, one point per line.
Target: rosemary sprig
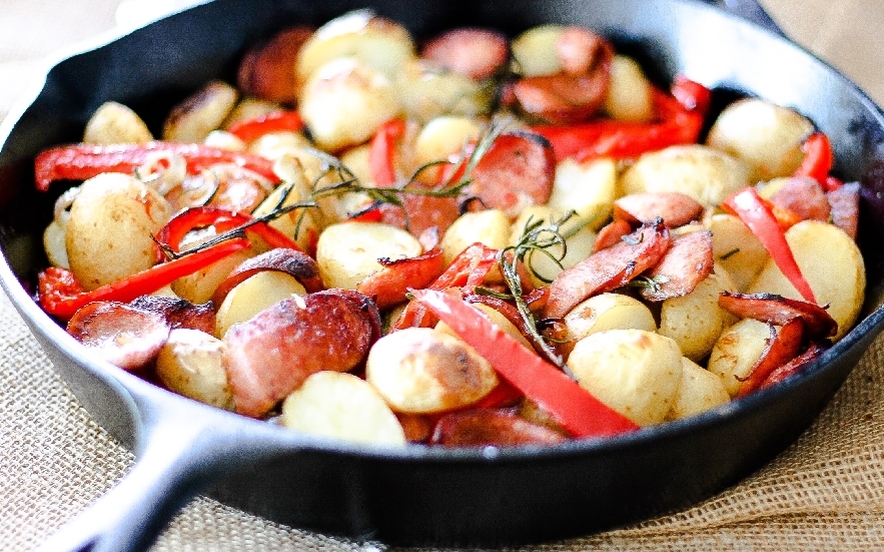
537	238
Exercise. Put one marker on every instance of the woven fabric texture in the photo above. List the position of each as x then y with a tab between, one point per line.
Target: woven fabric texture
826	492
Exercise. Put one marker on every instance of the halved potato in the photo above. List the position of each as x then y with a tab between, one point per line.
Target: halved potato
253	295
115	123
377	42
699	391
704	173
695	320
736	249
341	406
737	350
201	113
587	188
629	95
833	266
766	136
345	101
606	311
348	252
535	53
193	363
490	227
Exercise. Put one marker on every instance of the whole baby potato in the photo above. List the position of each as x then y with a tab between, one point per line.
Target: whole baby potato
490	227
423	370
736	249
579	241
706	174
110	229
635	372
588	188
766	136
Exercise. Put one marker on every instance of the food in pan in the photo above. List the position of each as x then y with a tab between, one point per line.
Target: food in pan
462	241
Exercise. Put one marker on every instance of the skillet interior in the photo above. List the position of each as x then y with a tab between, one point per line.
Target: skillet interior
421	496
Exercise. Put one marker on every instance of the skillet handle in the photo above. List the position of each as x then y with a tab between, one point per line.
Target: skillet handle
751	10
181	454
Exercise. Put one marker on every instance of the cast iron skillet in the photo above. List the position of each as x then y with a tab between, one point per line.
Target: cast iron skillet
417	495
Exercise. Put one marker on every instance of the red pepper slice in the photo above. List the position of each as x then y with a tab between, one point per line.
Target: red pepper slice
83	161
818	160
755	214
679	121
223	220
382	153
61	296
574	408
276	121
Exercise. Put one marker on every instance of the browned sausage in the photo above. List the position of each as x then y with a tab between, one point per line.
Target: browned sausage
803	196
121	334
611	234
516	172
781	348
485	426
608	269
295	263
472	52
267	71
687	263
776	309
388	286
179	313
271	354
676	209
844	203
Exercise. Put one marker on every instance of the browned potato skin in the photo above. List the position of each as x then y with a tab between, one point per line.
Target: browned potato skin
271	354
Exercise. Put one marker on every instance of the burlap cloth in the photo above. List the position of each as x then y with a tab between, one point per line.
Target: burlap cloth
826	492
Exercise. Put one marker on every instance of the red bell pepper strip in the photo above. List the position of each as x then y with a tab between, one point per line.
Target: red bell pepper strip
276	121
679	121
758	217
61	296
83	161
382	153
818	161
573	407
223	220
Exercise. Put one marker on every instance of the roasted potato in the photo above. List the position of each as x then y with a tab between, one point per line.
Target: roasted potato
579	242
427	92
587	188
115	123
377	42
695	320
700	390
606	311
110	228
341	406
629	95
490	227
193	363
832	264
348	252
423	370
534	51
737	350
767	137
201	113
253	295
635	372
704	173
345	101
736	249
